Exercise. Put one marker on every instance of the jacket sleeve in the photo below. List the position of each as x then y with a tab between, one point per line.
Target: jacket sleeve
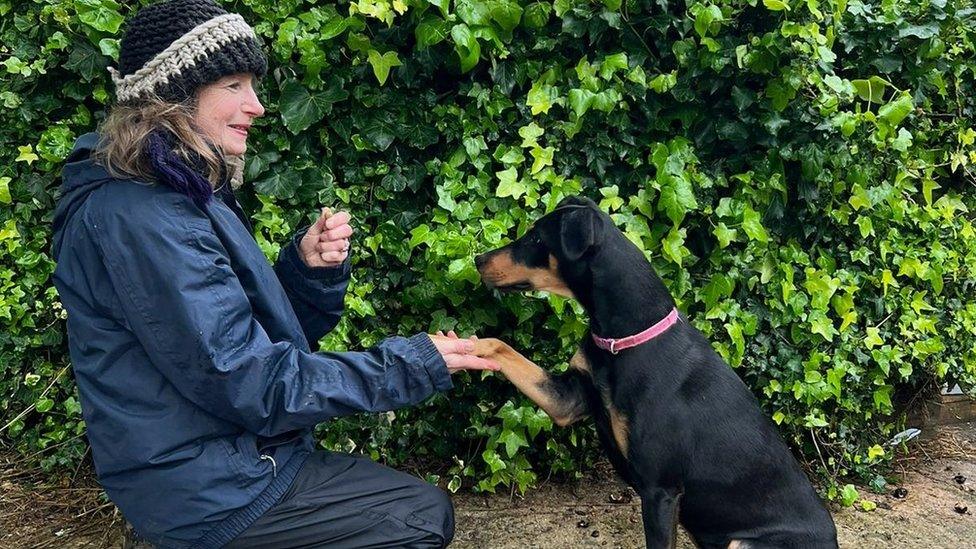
189	312
316	293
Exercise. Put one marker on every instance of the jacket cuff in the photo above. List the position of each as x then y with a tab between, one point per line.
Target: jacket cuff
432	360
329	275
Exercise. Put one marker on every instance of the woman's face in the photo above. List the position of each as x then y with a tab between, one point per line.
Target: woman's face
225	110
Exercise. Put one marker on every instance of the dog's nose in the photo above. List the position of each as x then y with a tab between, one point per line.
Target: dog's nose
480	260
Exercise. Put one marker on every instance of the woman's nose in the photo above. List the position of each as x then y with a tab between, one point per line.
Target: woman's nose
253	106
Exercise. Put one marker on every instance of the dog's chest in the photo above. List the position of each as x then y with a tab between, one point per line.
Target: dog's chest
617	422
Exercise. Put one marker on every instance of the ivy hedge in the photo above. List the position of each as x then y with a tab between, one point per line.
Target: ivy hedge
800	172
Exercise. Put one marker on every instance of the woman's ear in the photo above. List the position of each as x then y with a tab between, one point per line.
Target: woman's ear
580	229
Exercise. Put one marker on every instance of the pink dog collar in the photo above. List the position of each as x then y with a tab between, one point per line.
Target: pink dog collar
617	345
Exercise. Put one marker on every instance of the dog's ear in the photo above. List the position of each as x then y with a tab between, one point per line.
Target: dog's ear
574	200
579	230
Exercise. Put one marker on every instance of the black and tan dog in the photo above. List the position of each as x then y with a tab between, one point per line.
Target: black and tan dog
675	420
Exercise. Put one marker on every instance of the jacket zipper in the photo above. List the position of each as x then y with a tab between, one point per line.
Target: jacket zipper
274	465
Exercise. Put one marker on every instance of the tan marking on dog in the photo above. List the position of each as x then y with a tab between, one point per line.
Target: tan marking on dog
620	428
527	377
579	362
619	423
552	281
738	544
502	270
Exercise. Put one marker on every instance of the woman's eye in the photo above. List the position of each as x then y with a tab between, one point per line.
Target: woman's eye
234	85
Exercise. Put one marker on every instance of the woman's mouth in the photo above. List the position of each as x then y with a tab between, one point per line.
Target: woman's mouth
240	129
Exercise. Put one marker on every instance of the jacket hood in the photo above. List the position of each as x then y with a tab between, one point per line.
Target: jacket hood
79	177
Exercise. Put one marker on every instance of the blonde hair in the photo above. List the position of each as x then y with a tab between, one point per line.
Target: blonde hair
128	125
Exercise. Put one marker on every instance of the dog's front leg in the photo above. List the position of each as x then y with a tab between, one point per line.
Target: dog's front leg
659	509
562	396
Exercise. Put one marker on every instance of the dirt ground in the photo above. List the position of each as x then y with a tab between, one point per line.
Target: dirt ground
937	511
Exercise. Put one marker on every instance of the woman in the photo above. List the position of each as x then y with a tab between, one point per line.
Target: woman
195	359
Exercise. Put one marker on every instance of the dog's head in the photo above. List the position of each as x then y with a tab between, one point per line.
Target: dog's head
553	255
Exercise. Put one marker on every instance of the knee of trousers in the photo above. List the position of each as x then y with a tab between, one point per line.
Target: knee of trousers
438	511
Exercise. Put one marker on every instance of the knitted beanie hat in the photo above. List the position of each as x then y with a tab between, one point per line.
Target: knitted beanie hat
172	48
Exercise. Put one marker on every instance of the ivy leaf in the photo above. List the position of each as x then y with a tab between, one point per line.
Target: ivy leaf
611	64
512	440
895	111
752	225
101	15
876	451
677	197
5	190
724	235
419	235
26	155
530	133
44	405
430	31
606	100
280	184
672	245
920	31
735	332
719	287
543	158
872	89
443	5
56	143
882	398
836	83
109	47
705	17
509	184
776	5
859	198
820	324
611	198
848	495
506	13
865	225
493	460
541	98
638	76
86	60
781	93
903	141
929	185
536	420
301	108
536	15
473	12
664	82
580	101
334	27
887	279
383	63
466	46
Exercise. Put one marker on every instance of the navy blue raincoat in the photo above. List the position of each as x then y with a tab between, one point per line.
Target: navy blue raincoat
194	358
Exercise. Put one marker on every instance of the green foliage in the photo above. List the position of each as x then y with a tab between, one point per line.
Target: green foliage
799	172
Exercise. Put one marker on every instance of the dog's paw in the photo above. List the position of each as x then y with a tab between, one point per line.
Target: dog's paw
490	348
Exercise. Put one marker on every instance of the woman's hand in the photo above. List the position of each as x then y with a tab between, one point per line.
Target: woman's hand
457	353
326	244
